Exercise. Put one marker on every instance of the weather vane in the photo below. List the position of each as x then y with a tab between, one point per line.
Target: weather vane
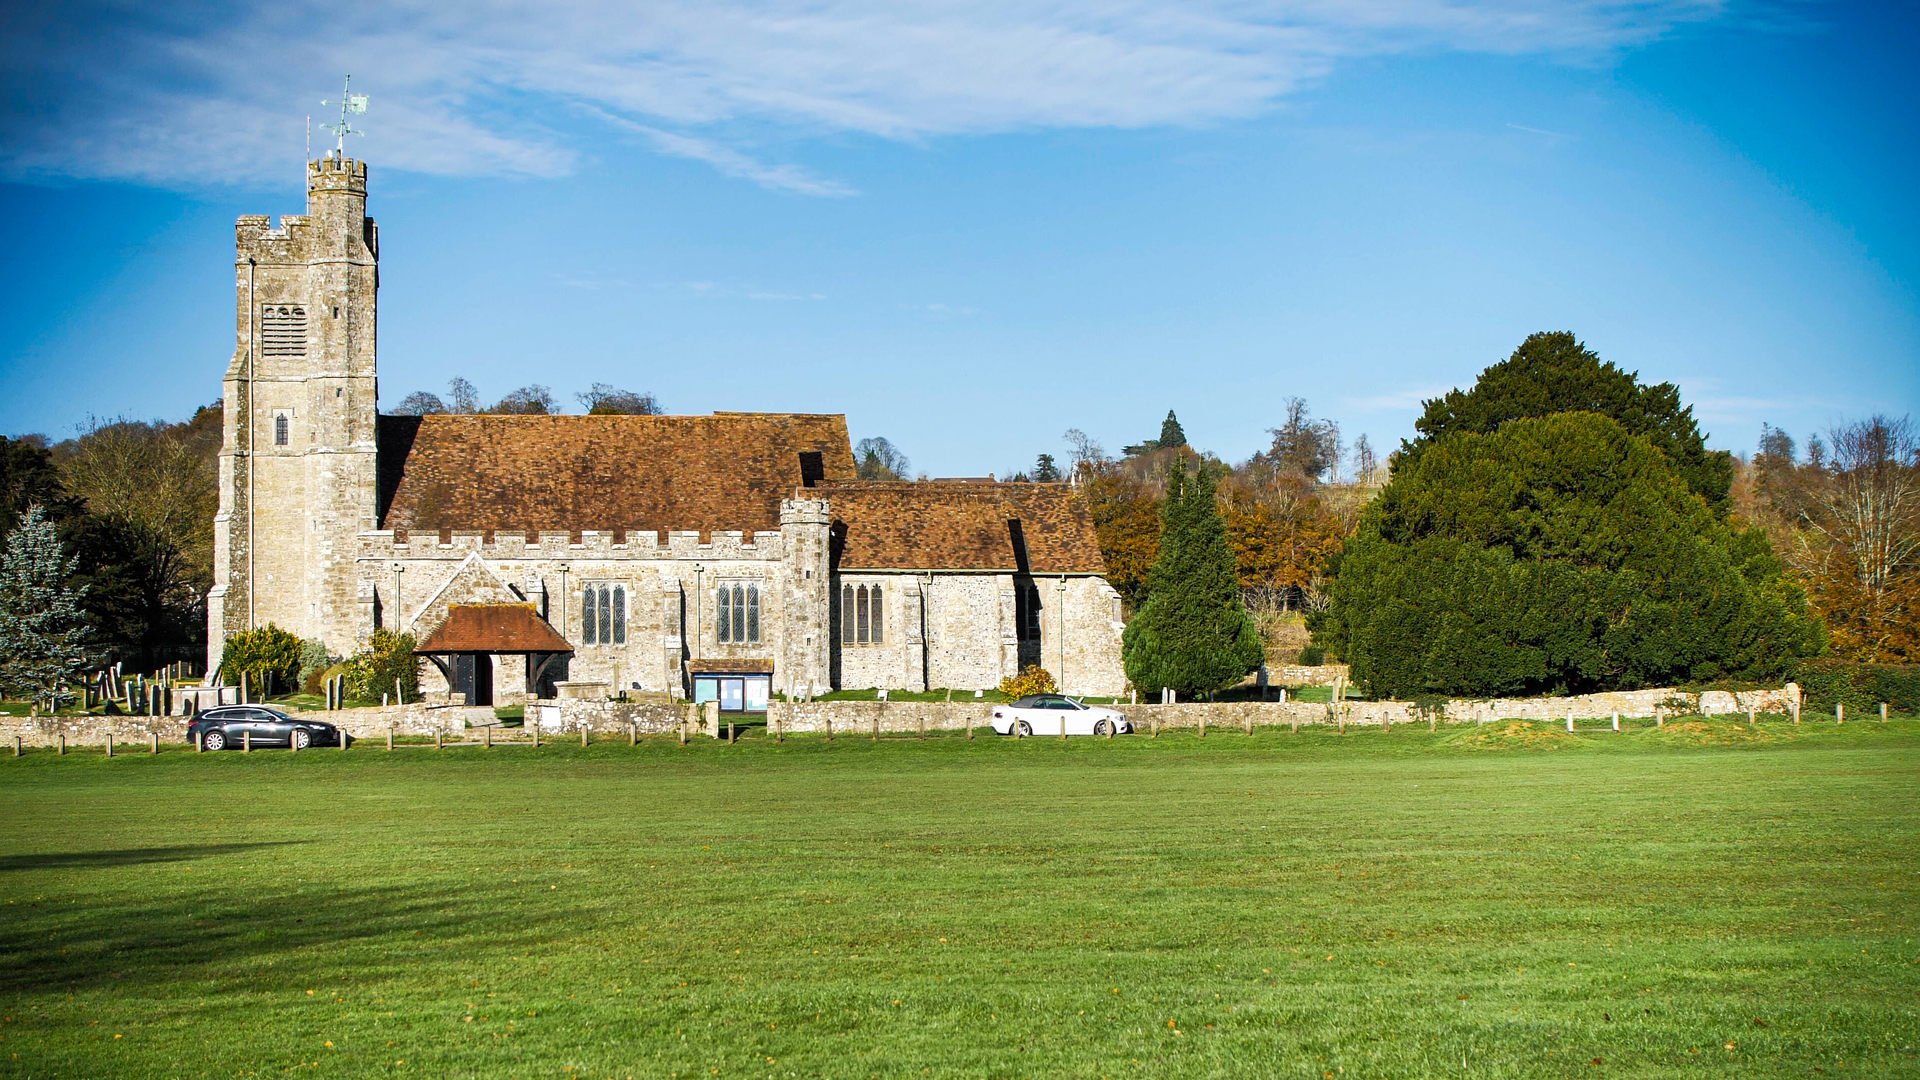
349	102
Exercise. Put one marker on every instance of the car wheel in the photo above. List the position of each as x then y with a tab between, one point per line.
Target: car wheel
1023	729
214	740
302	739
1103	727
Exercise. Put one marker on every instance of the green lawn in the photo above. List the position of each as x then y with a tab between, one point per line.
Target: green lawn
1472	904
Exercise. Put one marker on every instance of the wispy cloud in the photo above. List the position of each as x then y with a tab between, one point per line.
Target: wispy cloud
184	95
1542	131
732	162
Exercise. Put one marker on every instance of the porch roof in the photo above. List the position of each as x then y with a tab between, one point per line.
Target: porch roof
494	628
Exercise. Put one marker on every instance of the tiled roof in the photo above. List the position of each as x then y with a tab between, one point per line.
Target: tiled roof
610	473
494	628
903	525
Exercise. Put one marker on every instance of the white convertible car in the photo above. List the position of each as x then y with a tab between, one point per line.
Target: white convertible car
1042	714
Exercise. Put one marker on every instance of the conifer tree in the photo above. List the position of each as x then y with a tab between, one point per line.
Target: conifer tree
1194	635
1170	433
43	632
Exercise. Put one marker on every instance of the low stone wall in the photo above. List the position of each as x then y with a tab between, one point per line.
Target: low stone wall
856	718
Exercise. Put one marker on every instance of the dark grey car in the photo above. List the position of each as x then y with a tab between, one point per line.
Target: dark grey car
229	727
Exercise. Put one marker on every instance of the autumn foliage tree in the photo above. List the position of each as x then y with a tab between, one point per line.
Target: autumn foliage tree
1847	520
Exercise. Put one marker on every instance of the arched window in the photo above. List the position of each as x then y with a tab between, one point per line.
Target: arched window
280	430
603	615
737	615
861	621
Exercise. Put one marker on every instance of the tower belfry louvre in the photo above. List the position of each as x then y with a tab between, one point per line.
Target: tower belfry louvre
724	554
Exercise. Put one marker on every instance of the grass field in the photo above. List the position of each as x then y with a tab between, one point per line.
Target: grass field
1695	901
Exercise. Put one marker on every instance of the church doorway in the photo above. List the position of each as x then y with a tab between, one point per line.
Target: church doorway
473	677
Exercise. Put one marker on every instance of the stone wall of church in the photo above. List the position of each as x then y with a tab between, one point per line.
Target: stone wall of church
669	587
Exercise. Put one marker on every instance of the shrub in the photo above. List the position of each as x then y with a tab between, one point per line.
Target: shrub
1557	554
1034	679
388	659
314	662
1860	687
1313	655
258	654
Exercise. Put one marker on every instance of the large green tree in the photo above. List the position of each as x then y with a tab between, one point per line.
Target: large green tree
43	633
1194	634
1554	373
1562	553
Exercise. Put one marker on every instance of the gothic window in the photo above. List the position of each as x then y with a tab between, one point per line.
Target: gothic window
861	622
1026	612
603	615
280	430
737	615
283	330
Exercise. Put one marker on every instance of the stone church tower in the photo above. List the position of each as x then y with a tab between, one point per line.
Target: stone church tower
298	464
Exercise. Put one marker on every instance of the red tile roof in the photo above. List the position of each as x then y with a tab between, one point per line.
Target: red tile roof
493	628
569	473
902	525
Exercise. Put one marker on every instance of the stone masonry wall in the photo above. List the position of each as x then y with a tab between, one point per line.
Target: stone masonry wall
858	718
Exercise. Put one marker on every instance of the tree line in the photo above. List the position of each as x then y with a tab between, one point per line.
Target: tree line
1559	527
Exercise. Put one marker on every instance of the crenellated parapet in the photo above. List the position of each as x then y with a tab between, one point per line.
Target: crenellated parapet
505	545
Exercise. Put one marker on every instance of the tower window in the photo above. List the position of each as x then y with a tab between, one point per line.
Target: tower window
280	430
283	330
736	618
861	622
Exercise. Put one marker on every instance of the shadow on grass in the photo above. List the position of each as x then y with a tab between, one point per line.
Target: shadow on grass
198	937
130	856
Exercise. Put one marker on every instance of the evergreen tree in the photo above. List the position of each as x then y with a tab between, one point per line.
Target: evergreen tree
1558	554
1045	471
1554	373
43	632
1170	433
1194	635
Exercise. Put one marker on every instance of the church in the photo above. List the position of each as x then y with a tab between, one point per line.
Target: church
721	557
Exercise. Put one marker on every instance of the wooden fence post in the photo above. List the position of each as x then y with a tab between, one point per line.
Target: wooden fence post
246	741
1063	727
583	734
16	746
633	733
156	741
1249	721
1616	719
109	744
1839	713
486	736
1203	725
1796	712
1883	712
389	736
876	727
438	743
920	722
1153	724
199	742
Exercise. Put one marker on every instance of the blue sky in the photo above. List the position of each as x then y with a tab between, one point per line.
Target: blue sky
971	227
